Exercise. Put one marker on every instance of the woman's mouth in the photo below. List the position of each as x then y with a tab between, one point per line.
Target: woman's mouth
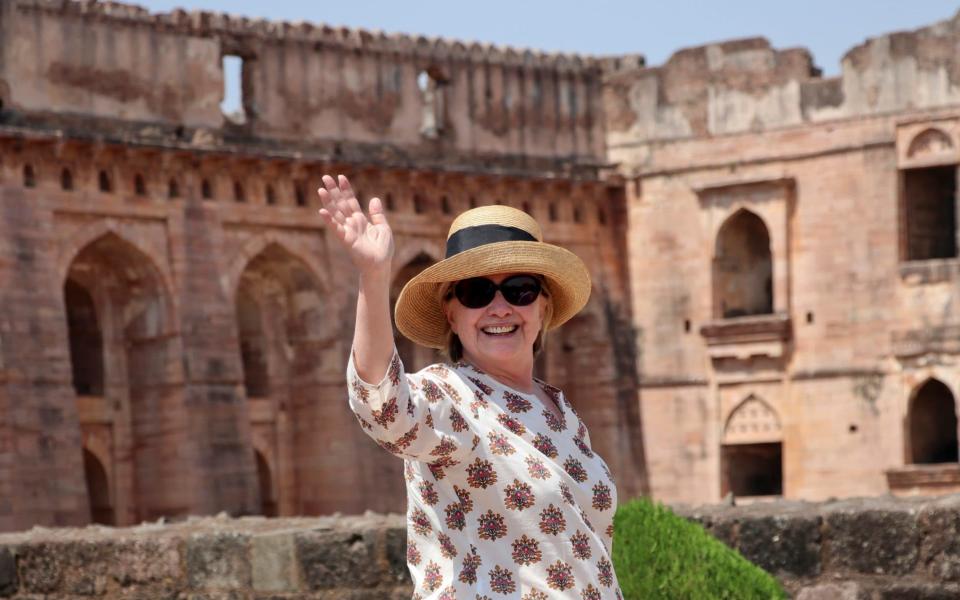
500	329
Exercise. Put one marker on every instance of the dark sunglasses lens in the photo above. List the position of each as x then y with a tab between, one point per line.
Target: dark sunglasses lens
520	290
476	292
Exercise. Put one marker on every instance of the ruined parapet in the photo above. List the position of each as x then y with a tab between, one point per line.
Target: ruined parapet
302	84
748	86
859	548
317	558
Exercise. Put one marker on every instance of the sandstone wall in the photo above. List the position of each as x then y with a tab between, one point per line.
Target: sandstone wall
748	86
852	550
302	84
176	332
857	326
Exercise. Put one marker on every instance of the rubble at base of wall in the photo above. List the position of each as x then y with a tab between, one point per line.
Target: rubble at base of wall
860	549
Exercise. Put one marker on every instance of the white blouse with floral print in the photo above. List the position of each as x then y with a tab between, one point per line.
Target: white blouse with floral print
504	500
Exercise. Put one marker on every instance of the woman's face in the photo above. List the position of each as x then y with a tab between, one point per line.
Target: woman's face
481	330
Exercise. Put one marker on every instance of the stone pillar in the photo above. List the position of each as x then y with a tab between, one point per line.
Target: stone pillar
41	459
221	460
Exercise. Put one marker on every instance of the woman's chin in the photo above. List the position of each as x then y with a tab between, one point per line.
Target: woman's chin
504	352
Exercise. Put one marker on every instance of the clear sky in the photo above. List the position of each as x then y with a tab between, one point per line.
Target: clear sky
654	28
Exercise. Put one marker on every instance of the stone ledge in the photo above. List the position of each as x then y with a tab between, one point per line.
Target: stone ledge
852	549
856	548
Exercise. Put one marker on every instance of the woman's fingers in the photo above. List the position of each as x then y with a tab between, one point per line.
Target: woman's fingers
330	206
349	195
377	217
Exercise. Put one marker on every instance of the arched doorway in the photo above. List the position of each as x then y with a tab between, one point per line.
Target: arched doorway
742	268
285	336
98	490
86	340
268	499
118	314
751	458
933	424
414	357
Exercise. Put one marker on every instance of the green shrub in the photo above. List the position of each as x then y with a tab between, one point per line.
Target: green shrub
658	554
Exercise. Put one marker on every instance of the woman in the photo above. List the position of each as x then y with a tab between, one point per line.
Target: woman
506	499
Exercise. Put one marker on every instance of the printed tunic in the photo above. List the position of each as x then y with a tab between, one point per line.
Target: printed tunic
504	499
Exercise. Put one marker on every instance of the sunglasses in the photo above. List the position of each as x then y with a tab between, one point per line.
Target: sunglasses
477	292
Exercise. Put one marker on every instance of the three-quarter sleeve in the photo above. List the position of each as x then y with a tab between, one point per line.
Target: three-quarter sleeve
414	416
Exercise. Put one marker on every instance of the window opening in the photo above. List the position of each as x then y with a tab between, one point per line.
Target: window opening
66	180
933	425
930	212
237	104
139	185
238	193
752	469
743	268
29	178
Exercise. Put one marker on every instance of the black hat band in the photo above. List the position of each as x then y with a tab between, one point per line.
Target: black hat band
480	235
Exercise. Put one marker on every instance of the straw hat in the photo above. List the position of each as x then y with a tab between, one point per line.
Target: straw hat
485	241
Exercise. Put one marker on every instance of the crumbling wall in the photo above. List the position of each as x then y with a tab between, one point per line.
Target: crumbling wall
747	86
856	549
300	83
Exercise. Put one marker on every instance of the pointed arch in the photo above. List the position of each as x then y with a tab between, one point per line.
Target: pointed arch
932	424
742	267
752	420
85	237
256	245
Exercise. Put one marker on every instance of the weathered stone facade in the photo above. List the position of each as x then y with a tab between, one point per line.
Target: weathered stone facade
861	549
175	323
793	266
774	256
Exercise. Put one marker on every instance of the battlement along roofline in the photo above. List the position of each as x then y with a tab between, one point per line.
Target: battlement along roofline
206	23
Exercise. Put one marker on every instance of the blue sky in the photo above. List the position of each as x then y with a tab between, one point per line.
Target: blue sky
653	28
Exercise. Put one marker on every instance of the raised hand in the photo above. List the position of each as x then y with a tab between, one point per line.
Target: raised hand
368	240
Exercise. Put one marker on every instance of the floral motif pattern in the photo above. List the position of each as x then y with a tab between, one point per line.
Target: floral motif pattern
501	580
517	403
499	444
491	526
526	550
545	445
552	520
485	462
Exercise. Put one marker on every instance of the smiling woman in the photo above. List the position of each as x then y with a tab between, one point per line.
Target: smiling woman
505	494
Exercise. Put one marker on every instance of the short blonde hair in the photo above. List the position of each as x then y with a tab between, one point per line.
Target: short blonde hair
453	350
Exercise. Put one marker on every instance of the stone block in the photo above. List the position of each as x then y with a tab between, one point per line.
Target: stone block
395	542
940	547
875	541
147	562
918	591
331	559
782	544
8	573
832	591
273	560
218	561
40	568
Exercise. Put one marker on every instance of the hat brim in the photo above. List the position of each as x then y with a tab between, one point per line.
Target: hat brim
419	314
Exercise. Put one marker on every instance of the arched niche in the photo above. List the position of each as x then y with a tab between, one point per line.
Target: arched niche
282	322
932	422
742	267
118	312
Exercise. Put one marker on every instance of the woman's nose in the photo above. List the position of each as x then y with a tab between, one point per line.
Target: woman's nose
499	305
